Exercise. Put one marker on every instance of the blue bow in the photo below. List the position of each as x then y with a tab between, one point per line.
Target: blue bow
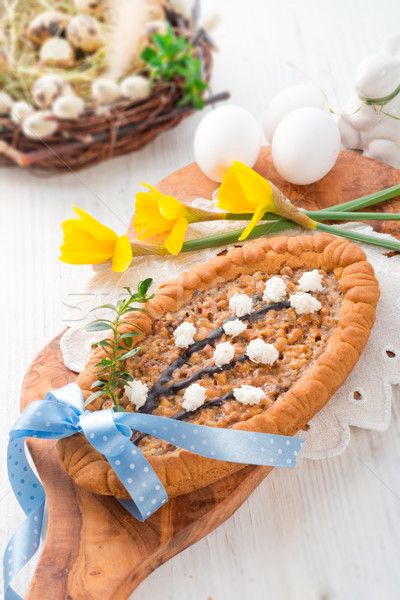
61	414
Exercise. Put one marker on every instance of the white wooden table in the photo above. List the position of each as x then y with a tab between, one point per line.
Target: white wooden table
326	530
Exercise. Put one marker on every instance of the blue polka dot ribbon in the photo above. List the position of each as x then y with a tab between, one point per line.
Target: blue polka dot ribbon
61	414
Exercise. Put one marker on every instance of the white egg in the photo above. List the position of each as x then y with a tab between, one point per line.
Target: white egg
227	133
56	52
306	145
289	99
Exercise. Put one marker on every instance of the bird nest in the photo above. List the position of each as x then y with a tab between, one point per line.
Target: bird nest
103	132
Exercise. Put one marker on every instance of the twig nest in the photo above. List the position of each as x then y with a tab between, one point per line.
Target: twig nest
84	33
3	60
156	26
68	107
47	88
136	87
89	7
56	52
39	125
47	24
105	91
5	103
20	111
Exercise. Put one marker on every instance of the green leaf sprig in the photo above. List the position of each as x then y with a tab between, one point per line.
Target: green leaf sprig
170	56
118	346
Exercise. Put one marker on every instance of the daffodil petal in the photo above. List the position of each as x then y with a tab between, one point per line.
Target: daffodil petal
170	208
122	257
174	241
80	247
78	236
79	258
152	189
231	196
258	213
148	220
255	187
242	190
151	236
97	229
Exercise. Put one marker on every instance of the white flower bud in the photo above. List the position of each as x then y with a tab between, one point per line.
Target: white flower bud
68	107
135	87
39	126
105	91
20	111
183	7
56	52
47	88
5	103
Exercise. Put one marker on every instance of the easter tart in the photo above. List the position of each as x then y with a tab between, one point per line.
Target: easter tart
258	339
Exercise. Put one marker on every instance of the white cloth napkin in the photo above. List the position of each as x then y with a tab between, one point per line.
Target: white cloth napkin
364	400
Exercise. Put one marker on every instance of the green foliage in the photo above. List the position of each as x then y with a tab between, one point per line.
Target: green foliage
172	56
117	347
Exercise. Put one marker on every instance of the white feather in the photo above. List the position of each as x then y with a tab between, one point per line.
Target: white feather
128	19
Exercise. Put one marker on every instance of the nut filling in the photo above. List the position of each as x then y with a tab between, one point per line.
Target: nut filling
298	339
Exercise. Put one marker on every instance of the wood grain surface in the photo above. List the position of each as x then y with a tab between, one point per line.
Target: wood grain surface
94	548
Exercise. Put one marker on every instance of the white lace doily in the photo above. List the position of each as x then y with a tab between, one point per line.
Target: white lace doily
364	400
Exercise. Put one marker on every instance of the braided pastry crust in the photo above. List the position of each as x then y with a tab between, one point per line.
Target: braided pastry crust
181	471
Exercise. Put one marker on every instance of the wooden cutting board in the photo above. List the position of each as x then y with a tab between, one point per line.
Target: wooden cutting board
94	549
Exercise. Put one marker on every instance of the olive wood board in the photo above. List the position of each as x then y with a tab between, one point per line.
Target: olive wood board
94	549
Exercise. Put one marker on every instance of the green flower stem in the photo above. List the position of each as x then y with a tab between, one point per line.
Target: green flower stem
365	201
352	205
276	223
248	216
323	215
360	237
353	216
230	237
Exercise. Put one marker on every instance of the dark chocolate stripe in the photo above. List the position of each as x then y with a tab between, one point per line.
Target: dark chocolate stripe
160	389
186	414
179	385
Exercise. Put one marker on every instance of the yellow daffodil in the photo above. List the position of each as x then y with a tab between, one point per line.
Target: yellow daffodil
160	216
243	190
86	241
